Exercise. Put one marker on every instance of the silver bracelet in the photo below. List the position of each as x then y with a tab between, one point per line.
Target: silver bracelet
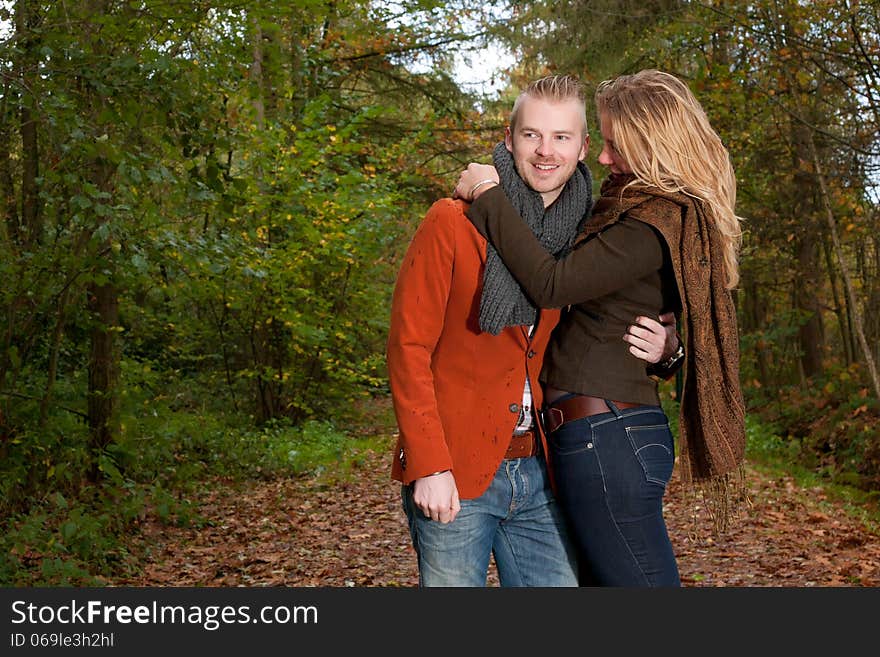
476	186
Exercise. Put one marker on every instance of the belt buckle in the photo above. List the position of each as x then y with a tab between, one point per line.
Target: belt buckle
551	420
522	445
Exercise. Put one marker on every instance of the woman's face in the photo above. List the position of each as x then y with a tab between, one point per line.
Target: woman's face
610	157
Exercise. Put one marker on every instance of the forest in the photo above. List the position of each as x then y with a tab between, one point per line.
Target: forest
204	205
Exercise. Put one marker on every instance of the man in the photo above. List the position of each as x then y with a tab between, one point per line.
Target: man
464	352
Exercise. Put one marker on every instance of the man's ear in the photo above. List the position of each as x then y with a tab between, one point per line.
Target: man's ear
508	139
585	148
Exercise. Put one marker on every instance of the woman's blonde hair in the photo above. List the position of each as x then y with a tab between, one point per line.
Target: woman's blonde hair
662	132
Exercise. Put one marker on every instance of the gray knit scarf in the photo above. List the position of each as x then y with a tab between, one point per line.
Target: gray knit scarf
503	302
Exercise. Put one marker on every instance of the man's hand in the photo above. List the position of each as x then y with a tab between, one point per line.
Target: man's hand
437	496
475	180
652	341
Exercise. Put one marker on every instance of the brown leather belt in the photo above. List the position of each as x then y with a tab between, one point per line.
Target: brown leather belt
522	446
575	408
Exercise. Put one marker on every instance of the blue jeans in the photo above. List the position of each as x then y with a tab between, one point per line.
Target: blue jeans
516	519
611	472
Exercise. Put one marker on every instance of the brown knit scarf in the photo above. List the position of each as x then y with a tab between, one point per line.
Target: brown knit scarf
712	433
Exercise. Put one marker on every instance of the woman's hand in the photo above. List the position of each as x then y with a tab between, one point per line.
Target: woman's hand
475	180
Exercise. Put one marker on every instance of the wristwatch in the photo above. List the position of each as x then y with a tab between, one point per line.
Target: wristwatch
666	368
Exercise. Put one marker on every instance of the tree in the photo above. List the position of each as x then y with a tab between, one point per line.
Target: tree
217	194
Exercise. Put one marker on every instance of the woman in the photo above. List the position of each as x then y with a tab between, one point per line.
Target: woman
663	236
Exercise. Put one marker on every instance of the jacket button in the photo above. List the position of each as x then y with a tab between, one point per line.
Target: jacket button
531	354
514	408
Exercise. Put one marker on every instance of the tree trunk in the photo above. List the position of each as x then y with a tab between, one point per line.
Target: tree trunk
30	200
870	273
103	304
841	310
19	173
256	72
9	208
52	370
853	303
754	313
810	332
102	293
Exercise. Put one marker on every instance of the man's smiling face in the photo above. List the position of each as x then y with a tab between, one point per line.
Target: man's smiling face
548	141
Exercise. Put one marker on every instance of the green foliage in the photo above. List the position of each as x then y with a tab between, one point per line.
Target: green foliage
774	343
37	461
67	542
763	441
75	539
310	448
292	285
247	213
829	427
768	450
57	531
672	408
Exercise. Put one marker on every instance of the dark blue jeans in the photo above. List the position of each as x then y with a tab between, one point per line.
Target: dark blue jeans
611	472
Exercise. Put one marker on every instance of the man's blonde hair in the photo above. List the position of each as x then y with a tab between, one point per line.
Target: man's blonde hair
555	88
663	133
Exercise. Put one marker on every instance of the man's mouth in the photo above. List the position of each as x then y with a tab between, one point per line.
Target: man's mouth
546	167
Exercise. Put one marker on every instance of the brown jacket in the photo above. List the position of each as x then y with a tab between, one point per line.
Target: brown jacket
456	390
606	282
643	250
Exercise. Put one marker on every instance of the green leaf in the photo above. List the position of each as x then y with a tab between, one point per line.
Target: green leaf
14	358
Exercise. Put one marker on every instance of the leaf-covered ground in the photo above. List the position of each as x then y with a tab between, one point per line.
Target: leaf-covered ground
312	531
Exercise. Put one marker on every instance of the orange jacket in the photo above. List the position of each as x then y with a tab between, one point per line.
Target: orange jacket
456	390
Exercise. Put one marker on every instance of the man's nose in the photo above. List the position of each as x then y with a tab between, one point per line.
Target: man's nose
545	146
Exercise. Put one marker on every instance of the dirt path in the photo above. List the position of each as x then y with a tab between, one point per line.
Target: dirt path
307	532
